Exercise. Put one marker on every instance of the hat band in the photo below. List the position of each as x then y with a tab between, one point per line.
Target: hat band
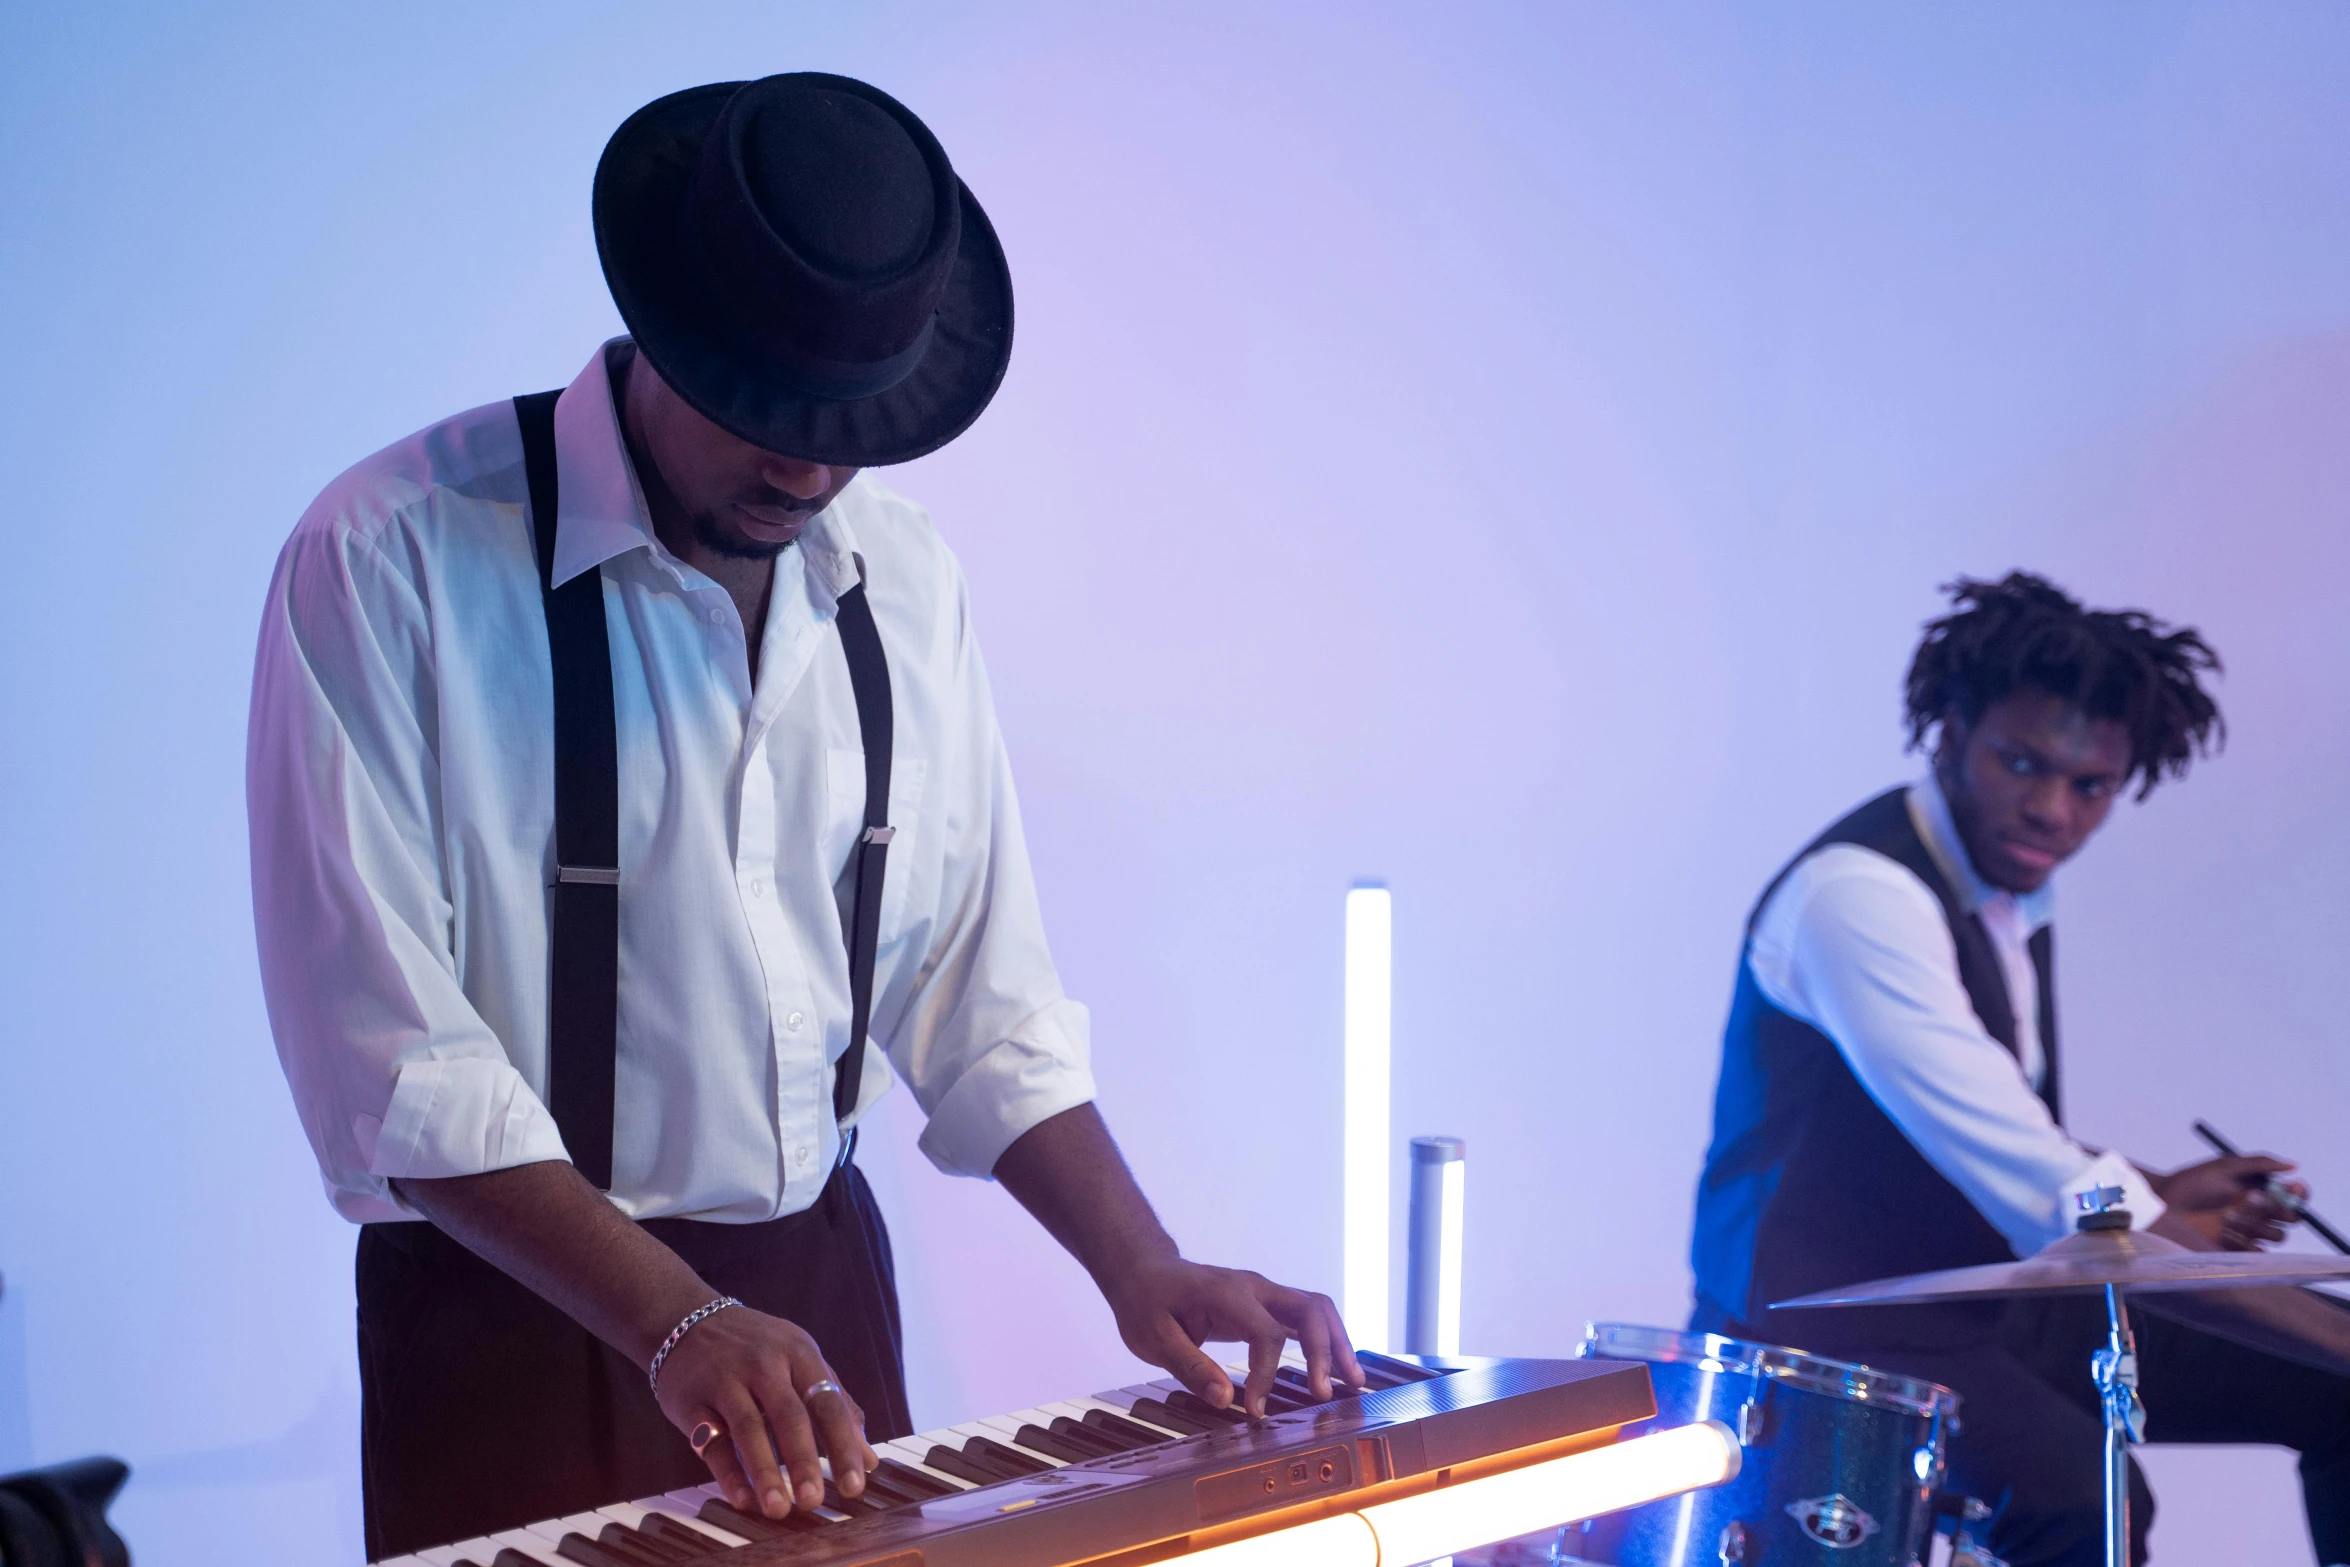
841	381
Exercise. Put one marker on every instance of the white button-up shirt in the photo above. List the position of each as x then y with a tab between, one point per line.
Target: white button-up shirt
1856	946
399	780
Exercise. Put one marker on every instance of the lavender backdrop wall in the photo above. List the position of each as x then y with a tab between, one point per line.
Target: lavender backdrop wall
1502	449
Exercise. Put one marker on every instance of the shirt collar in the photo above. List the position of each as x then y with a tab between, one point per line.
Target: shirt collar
600	509
1929	812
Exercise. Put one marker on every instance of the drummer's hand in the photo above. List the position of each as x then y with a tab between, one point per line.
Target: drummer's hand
745	1373
2227	1201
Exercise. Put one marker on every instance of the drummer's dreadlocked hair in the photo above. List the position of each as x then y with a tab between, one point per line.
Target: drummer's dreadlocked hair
2122	664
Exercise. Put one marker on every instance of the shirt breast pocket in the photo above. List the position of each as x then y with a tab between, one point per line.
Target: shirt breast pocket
844	787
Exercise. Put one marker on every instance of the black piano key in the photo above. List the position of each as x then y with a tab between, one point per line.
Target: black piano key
1099	1440
687	1540
1134	1431
1381	1372
854	1506
907	1478
1200	1409
988	1450
1282	1401
656	1552
1159	1414
749	1525
1293	1382
1037	1439
595	1553
886	1492
510	1557
947	1461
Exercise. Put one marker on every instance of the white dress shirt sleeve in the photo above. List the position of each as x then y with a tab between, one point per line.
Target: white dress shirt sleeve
394	1071
1856	946
986	1040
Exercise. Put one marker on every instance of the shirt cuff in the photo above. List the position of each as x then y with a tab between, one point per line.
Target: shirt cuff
1014	1085
462	1116
2111	1169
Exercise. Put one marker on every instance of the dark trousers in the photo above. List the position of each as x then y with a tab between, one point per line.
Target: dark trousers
2030	1441
484	1408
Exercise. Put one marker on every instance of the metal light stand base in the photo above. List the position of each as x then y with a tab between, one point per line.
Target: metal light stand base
2115	1368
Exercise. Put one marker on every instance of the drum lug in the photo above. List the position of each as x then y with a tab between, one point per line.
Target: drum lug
1732	1547
1750	1423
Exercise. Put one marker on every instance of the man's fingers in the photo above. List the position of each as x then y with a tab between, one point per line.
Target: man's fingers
1264	1358
746	1433
1296	1311
725	1467
1342	1349
841	1426
1172	1349
795	1438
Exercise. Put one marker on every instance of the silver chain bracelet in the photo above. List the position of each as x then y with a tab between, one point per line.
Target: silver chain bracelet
653	1376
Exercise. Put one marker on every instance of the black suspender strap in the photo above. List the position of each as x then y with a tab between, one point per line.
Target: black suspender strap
584	999
583	1009
869	679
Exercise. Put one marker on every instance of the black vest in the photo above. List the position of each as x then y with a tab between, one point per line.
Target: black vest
1808	1184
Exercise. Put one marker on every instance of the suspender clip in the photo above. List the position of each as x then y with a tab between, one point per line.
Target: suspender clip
593	875
880	835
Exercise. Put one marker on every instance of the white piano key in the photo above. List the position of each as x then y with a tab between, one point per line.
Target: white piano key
910	1450
626	1514
687	1504
524	1543
552	1530
403	1561
475	1550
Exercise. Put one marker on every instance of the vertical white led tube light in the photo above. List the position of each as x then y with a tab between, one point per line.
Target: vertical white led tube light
1369	978
1432	1255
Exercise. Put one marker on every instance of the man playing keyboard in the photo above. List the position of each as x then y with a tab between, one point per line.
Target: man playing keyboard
620	763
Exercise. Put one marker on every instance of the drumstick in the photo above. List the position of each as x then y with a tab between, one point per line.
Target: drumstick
2279	1190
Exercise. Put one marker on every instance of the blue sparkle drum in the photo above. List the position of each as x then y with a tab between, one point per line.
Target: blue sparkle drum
1840	1465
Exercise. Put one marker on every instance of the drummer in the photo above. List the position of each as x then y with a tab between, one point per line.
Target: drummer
1890	1101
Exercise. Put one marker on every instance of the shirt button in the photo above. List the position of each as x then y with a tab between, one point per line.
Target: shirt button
717	616
758	888
794	1021
801	1155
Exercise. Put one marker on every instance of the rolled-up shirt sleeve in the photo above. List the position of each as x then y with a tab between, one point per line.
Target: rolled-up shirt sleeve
393	1070
1856	946
986	1040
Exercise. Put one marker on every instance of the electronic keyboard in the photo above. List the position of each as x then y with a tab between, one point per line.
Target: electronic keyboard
1144	1473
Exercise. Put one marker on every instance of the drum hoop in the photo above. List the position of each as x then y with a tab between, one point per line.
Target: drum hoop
1711	1352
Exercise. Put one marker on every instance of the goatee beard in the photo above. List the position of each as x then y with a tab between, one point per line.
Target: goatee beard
718	541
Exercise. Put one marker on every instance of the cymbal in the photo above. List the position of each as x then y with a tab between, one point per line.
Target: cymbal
2091	1260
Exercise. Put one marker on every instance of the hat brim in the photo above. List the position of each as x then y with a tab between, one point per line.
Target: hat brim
670	311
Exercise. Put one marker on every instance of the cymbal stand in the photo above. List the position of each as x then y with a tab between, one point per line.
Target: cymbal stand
2115	1370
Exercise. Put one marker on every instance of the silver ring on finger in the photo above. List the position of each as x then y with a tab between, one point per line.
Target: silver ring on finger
817	1389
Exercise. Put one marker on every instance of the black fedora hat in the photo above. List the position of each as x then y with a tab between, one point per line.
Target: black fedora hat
798	260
